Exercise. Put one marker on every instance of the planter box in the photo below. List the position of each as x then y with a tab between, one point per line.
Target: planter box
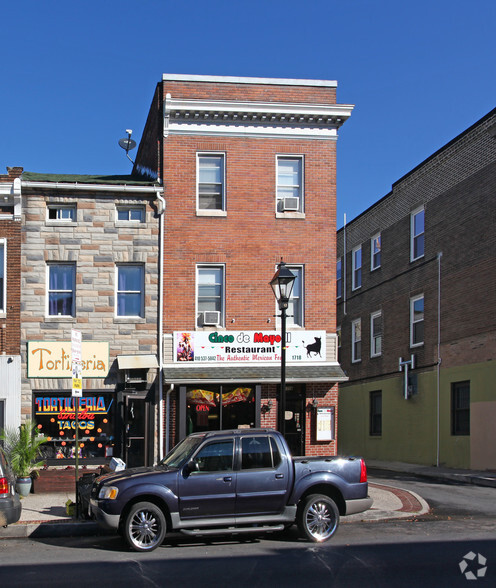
58	480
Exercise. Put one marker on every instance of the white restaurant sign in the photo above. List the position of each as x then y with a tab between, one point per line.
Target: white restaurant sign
248	346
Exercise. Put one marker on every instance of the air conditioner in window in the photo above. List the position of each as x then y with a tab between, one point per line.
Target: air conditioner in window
211	317
291	203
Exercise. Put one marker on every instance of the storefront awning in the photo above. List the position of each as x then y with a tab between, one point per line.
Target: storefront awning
137	362
180	374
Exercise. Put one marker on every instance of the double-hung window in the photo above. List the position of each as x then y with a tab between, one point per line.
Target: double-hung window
61	289
211	181
376	334
356	340
375	252
417	235
339	278
460	408
356	262
3	275
210	295
130	290
131	214
61	213
290	184
296	303
417	321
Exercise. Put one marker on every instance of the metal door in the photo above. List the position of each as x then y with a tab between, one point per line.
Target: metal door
295	420
136	416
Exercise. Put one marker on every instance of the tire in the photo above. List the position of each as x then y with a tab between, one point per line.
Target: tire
318	518
144	527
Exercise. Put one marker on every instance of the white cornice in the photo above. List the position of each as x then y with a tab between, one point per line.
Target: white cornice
248	80
94	187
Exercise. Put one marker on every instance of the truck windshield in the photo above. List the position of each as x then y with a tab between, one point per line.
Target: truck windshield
181	452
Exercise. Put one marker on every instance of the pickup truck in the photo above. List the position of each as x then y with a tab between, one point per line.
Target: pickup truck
230	482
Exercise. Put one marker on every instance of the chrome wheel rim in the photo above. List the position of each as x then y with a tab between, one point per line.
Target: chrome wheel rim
145	529
320	521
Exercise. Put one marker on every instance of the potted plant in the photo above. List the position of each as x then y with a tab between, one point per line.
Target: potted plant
22	446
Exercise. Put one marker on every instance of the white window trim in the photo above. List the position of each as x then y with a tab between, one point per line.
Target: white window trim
412	322
413	236
373	238
295	213
353	268
374	315
58	221
131	317
290	322
47	296
353	340
211	211
223	298
128	207
3	310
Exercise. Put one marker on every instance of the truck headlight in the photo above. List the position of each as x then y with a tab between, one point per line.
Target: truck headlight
108	492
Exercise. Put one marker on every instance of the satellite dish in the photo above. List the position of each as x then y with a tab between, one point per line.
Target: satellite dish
128	144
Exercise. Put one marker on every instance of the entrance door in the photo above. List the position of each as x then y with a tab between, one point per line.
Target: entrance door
136	415
295	419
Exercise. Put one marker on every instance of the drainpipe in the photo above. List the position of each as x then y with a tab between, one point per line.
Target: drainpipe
161	210
438	374
344	264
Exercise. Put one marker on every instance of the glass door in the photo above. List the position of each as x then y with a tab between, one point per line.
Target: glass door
136	430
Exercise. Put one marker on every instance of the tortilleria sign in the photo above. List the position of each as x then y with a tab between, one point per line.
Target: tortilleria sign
52	359
248	346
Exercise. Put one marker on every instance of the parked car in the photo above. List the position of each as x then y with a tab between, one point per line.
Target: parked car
225	482
10	503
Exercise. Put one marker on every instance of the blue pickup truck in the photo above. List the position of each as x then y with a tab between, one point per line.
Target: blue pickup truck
230	482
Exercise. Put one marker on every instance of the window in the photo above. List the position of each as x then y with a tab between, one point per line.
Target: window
417	321
375	422
130	290
295	307
356	340
289	184
376	334
460	408
210	295
356	268
216	457
61	289
338	334
375	252
211	193
339	278
259	452
61	213
132	214
417	234
3	276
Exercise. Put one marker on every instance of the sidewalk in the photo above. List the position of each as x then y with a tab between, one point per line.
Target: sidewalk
44	515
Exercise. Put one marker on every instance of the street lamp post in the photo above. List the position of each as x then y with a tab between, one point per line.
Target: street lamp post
282	286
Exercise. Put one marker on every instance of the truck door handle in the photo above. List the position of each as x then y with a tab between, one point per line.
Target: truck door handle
228	479
279	476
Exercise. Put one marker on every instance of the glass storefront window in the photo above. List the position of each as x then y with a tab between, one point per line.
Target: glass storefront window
55	416
220	407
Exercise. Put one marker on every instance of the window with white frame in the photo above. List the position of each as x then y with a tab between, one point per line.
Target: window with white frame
339	278
289	184
417	320
210	295
61	213
211	181
356	264
131	214
356	340
375	252
130	290
417	235
61	292
338	335
296	305
3	275
376	334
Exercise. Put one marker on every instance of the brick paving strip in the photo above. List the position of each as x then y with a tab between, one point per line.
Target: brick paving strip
409	501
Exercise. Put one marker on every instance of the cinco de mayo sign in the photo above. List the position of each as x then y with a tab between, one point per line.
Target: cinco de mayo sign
52	359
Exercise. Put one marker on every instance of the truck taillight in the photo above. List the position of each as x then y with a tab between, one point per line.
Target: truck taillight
4	486
363	471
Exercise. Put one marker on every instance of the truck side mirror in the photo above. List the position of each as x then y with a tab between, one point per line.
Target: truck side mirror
191	466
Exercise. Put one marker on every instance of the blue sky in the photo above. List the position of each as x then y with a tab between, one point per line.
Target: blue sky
75	75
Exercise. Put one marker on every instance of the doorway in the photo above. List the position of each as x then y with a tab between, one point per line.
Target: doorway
295	419
136	428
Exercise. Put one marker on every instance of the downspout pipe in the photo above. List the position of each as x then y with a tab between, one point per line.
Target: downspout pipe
438	369
160	334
